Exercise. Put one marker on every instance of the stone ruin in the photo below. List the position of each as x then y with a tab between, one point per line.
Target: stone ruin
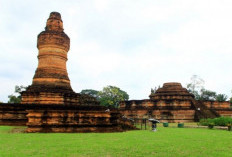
50	104
173	103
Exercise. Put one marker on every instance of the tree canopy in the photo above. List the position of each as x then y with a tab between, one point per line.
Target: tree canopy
109	96
196	87
207	95
91	92
112	95
221	97
16	97
231	100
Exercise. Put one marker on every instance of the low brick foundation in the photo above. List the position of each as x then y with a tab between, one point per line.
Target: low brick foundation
63	118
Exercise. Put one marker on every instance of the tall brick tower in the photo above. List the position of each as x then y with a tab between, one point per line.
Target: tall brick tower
53	45
51	84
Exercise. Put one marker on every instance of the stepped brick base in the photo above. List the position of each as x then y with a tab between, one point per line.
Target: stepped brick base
63	118
81	119
13	114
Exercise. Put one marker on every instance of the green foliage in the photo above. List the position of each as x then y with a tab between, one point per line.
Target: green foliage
220	121
207	95
16	98
211	125
196	87
165	142
91	92
231	100
153	90
111	96
19	89
205	122
221	97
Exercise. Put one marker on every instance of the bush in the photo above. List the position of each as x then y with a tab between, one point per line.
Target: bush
211	125
220	121
206	122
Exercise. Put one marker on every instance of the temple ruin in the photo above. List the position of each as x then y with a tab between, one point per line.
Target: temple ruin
50	104
173	103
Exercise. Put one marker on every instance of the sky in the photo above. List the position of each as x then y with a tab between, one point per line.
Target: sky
134	45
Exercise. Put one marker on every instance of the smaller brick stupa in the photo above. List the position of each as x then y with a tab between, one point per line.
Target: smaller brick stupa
171	103
171	91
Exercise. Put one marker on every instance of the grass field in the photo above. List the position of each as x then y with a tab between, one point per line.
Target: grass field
165	142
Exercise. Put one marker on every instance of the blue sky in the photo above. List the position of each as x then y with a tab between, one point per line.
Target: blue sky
135	45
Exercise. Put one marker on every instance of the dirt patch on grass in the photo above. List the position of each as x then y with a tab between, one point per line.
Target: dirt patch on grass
18	130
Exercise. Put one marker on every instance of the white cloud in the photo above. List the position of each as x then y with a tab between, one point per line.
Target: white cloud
133	44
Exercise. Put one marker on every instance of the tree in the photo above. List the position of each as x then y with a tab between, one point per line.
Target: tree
231	101
221	97
111	96
207	95
16	98
153	90
195	86
91	92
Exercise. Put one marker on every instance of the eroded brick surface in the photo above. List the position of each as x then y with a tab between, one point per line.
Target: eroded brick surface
173	103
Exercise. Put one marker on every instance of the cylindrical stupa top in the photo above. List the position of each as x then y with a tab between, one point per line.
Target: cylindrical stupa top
53	45
54	22
53	34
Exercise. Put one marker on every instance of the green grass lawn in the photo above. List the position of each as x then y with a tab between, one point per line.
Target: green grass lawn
165	142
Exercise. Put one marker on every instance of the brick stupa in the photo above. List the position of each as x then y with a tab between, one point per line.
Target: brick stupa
170	103
51	84
50	104
171	91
